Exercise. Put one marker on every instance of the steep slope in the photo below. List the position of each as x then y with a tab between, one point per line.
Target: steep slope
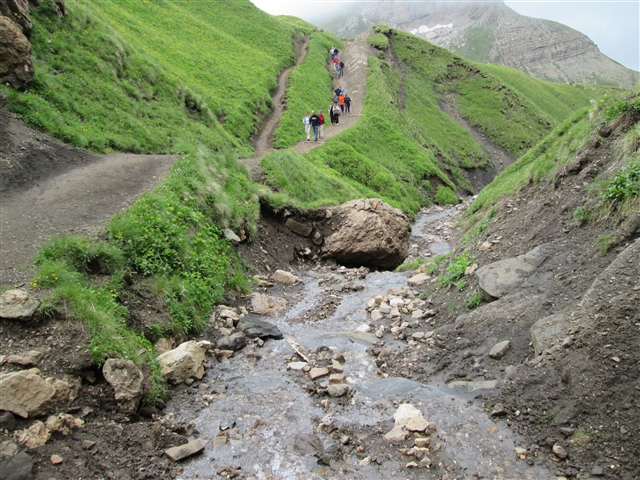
491	32
425	115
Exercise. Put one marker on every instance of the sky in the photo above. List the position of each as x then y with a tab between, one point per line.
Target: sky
613	25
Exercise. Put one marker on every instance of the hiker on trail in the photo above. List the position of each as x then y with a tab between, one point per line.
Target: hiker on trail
315	123
333	120
341	69
347	104
337	91
341	100
321	116
335	109
307	125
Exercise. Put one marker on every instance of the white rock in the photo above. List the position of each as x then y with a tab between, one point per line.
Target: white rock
184	361
384	308
284	277
376	315
25	393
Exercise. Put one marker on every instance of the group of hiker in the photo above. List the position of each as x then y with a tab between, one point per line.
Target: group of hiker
340	104
337	63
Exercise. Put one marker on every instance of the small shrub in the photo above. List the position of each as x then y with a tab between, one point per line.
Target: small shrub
455	271
445	196
580	215
605	242
624	184
474	300
379	41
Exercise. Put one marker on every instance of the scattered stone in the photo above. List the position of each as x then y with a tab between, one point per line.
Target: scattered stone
500	349
296	365
411	465
162	345
385	309
417	424
498	409
425	463
597	471
88	444
230	235
284	277
419	279
337	378
8	449
126	380
183	451
338	390
55	459
418	335
396	435
234	342
520	452
8	421
184	361
297	227
376	315
26	359
256	328
318	372
25	393
417	314
422	442
337	367
17	304
63	423
473	386
471	269
364	328
265	305
560	451
380	331
219	440
35	436
485	246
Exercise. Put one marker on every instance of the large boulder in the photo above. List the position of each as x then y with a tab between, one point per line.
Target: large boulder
184	361
266	305
17	304
126	380
506	276
369	232
25	393
18	12
16	65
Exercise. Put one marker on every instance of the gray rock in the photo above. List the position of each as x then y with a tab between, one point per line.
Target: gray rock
498	409
419	279
25	359
17	305
597	471
506	276
318	372
308	443
230	235
499	349
338	390
184	451
297	227
126	379
16	65
25	393
473	386
234	342
255	328
17	467
548	332
560	451
8	421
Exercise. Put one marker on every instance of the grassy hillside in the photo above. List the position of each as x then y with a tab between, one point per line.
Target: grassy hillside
405	147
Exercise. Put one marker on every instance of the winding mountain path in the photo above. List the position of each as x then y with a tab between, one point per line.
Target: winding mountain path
354	82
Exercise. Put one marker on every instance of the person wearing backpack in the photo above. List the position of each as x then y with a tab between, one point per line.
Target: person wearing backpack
321	117
315	124
341	100
336	113
347	104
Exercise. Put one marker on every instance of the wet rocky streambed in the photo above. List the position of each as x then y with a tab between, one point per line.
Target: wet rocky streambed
315	404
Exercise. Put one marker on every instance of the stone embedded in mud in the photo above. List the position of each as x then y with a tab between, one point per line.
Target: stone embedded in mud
284	277
296	365
234	342
25	359
371	233
560	451
506	276
183	451
184	361
318	372
63	423
25	393
126	379
17	304
55	459
308	443
500	349
297	227
376	315
419	279
35	436
338	390
265	305
548	332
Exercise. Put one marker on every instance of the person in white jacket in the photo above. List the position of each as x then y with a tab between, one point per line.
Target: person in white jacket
306	121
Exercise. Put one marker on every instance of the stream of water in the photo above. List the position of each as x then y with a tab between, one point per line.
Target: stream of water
268	407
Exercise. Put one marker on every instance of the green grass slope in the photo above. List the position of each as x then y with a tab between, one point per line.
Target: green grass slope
405	148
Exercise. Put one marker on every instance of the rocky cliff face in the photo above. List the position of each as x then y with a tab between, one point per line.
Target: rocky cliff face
493	33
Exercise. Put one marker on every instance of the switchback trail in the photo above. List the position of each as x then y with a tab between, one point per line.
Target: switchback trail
354	82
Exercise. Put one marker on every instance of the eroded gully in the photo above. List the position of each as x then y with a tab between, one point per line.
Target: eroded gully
276	423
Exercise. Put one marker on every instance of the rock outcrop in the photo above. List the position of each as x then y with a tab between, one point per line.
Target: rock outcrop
25	393
126	380
368	232
16	65
17	304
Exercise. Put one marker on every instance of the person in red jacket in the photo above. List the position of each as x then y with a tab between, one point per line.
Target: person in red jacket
321	129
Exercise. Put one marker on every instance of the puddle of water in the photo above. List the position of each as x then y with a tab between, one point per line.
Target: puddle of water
269	407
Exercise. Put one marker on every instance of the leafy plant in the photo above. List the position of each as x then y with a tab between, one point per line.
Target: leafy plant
624	184
445	196
474	300
579	214
605	242
455	270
